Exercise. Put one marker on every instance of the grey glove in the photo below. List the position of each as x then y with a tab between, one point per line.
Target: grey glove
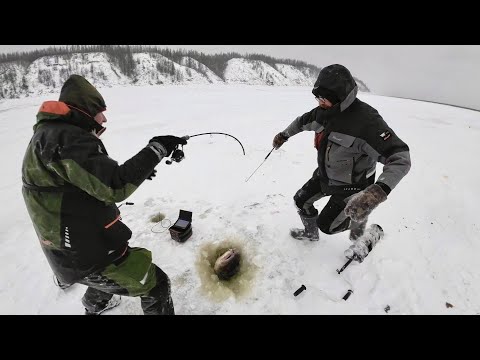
279	140
362	204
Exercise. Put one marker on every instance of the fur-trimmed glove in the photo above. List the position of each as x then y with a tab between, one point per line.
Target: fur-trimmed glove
362	204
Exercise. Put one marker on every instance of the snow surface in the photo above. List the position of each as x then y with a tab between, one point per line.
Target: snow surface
428	257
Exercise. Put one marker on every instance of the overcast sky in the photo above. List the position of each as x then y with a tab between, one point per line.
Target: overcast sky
442	73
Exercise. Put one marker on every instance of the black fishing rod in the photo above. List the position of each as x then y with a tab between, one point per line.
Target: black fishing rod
215	133
266	157
178	154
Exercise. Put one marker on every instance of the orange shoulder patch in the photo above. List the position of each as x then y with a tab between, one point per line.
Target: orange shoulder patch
54	107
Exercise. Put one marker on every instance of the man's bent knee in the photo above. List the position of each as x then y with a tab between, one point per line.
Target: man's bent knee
326	226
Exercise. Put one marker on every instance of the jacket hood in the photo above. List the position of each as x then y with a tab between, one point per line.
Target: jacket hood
79	93
336	81
79	102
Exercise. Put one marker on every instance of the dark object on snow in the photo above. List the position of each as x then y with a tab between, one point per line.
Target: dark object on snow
448	305
300	289
228	264
125	203
345	266
347	295
387	309
182	229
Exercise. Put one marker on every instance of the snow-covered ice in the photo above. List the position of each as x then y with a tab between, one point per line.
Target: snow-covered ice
428	256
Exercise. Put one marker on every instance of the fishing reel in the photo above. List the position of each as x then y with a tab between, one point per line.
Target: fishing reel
177	155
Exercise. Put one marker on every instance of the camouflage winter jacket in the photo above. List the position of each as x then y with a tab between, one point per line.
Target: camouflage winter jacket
71	185
351	138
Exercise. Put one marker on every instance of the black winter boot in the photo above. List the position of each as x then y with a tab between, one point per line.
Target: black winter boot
60	284
103	306
311	229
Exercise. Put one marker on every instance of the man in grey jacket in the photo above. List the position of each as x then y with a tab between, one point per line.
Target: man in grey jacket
351	137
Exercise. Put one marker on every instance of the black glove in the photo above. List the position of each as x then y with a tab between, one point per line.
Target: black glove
152	175
169	142
363	203
279	139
